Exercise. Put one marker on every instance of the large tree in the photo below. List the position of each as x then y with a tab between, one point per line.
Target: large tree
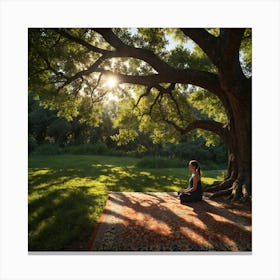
165	88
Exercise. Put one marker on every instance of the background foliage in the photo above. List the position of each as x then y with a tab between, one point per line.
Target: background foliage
50	134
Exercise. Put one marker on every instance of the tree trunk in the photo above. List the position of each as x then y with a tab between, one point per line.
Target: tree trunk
239	142
241	187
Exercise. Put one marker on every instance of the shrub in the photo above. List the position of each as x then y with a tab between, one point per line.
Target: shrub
87	149
210	165
32	144
159	162
47	149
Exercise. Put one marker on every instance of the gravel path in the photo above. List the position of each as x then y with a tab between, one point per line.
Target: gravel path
135	221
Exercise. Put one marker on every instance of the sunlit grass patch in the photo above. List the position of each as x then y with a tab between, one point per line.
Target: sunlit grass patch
210	176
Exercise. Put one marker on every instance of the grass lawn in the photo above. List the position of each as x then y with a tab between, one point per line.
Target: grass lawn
67	194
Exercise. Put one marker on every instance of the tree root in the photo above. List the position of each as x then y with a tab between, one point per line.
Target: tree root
234	192
222	185
222	193
216	188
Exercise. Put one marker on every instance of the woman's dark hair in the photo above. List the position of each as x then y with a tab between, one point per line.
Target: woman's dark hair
195	164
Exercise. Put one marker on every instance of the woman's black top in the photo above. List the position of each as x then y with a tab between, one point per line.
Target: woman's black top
197	194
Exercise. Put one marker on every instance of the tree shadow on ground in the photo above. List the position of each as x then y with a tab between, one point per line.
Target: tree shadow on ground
61	221
150	222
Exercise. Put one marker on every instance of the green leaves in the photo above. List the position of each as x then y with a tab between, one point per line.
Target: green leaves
68	70
153	39
246	53
208	104
89	112
179	58
125	136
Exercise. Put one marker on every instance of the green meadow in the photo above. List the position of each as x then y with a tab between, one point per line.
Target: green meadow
67	194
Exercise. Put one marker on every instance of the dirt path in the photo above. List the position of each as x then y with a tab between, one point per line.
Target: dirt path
134	221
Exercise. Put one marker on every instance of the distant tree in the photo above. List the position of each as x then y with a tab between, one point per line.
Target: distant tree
59	130
39	120
164	92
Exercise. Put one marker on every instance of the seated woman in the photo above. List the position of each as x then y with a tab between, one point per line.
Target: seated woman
194	191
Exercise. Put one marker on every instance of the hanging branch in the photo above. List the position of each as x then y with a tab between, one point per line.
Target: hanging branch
81	42
154	103
50	68
146	93
78	88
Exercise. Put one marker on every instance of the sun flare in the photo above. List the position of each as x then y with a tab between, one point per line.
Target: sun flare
111	82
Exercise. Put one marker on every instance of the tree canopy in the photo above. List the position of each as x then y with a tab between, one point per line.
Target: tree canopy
70	70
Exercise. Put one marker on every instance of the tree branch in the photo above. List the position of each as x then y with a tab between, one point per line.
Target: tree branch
146	93
86	72
212	126
230	41
177	106
202	79
154	103
223	51
123	50
81	42
50	68
94	88
207	42
169	90
230	68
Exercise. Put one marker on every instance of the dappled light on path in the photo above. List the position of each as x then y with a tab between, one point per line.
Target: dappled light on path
158	222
